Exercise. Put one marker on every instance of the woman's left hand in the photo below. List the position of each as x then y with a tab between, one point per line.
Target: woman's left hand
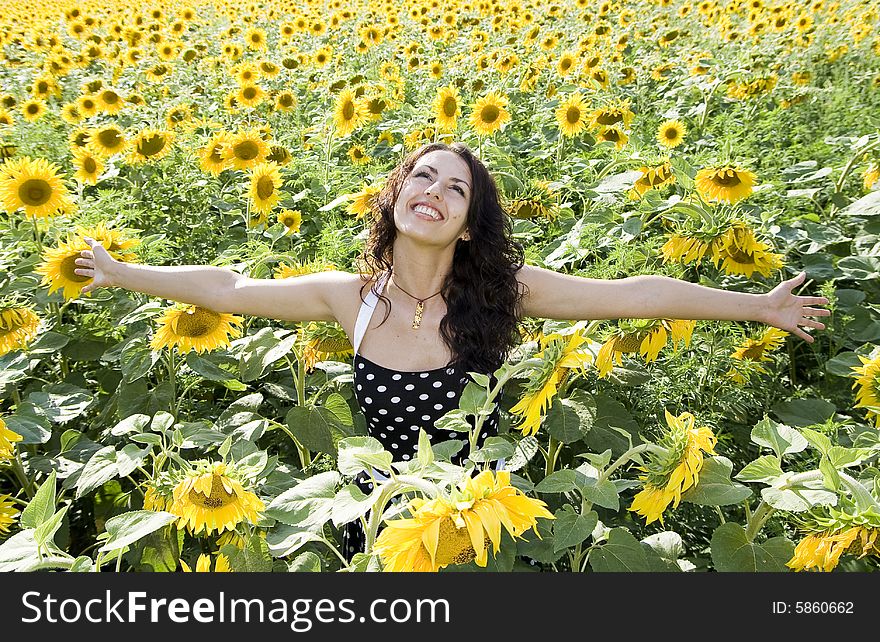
787	311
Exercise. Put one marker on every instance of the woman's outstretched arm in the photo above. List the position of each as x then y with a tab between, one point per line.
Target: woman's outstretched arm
306	298
560	296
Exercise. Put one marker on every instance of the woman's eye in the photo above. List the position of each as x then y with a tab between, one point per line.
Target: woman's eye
425	174
458	189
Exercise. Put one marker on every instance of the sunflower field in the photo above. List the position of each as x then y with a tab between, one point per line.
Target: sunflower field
731	143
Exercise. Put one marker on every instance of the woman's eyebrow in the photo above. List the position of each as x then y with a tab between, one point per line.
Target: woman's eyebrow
457	180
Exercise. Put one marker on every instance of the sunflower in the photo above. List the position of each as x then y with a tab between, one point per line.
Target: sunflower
159	72
265	183
45	86
8	439
756	349
285	101
868	380
627	76
358	155
687	248
447	108
250	95
8	513
58	268
246	149
114	241
33	109
841	532
324	341
645	336
291	220
69	114
18	327
255	38
109	101
724	183
822	551
79	138
612	134
741	253
150	145
298	269
190	327
671	133
106	141
489	114
212	158
89	166
536	201
566	63
7	119
203	565
87	105
871	175
178	115
211	498
459	529
349	113
676	470
246	73
33	185
616	115
571	115
322	56
753	351
279	155
653	177
362	202
559	355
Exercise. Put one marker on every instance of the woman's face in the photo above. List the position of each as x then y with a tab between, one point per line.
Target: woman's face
433	202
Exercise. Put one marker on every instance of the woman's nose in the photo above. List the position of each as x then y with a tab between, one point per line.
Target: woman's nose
431	191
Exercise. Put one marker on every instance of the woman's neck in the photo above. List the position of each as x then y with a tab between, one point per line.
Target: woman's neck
420	271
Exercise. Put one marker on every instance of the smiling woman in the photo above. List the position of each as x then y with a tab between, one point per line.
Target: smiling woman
441	258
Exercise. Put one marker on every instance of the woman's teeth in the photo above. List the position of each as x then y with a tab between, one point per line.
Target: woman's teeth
428	211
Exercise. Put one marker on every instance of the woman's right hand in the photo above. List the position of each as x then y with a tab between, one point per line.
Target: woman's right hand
95	264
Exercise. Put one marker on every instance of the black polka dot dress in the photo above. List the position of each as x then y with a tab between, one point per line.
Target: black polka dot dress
397	404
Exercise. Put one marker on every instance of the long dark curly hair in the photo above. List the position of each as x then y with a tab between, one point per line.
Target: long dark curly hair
483	297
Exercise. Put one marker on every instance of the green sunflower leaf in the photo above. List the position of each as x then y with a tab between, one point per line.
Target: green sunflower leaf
733	552
572	528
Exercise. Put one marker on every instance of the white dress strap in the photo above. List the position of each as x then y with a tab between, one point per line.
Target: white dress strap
366	311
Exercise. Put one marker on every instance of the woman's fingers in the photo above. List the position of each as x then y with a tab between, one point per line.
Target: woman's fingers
816	312
813	324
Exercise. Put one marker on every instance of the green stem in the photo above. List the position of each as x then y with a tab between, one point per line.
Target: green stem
553	449
394	487
172	377
16	397
709	362
327	158
21	475
305	458
37	238
760	517
625	457
335	550
838	186
503	378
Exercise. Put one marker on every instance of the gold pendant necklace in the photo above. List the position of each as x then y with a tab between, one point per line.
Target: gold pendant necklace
420	306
